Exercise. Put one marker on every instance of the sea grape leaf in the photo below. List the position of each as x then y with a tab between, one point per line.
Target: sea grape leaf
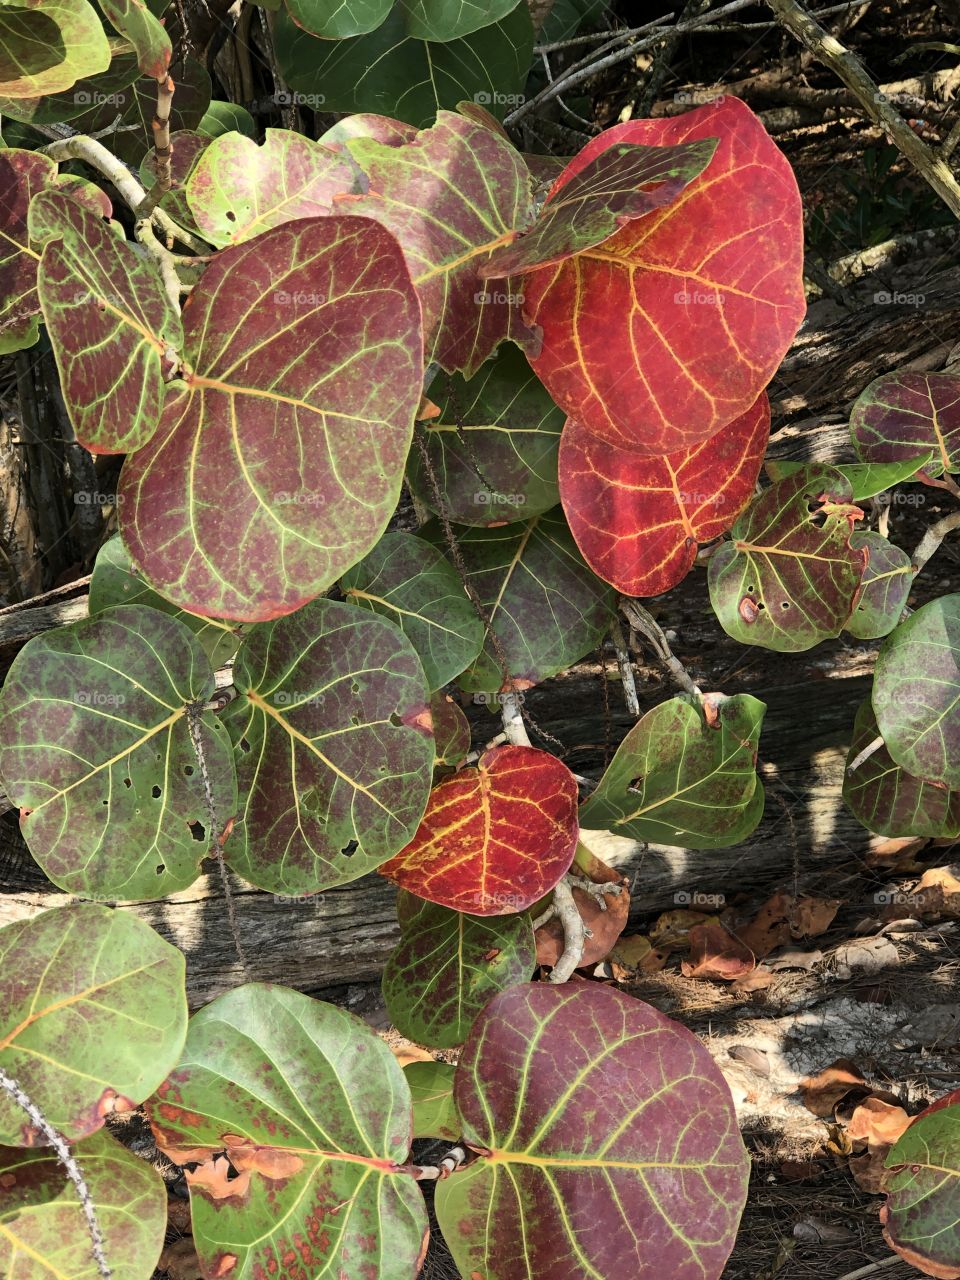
615	186
44	1232
313	1113
335	20
451	730
279	458
93	1015
447	965
916	692
638	520
867	479
48	48
431	1088
441	21
671	328
95	746
239	189
493	447
494	838
546	607
681	778
187	146
790	574
227	117
366	124
654	1165
133	19
410	582
55	108
333	748
885	585
921	1218
888	800
476	189
115	581
111	325
388	72
904	417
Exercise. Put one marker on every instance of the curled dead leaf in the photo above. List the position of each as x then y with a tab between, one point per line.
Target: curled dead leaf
822	1092
717	954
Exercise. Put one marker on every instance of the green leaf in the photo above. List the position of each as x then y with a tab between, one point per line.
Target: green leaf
48	45
886	583
333	748
921	1217
887	799
339	19
681	777
95	744
391	73
867	479
446	967
133	19
107	87
115	581
93	1015
546	607
493	448
43	1231
613	1140
788	577
408	581
110	323
239	189
916	692
227	117
279	460
451	731
431	1088
314	1114
444	20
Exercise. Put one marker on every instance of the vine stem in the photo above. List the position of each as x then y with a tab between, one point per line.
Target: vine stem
74	1172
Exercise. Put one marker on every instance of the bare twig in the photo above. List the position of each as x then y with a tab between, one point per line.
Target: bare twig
450	1162
865	754
828	50
74	1172
575	933
661	59
931	540
625	663
644	622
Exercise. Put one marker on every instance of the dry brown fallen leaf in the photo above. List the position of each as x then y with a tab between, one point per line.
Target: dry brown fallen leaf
896	854
636	952
865	956
715	953
822	1092
877	1123
179	1260
672	928
757	980
784	919
810	916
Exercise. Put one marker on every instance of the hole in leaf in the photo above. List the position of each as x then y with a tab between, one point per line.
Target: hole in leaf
395	719
244	744
188	770
127	782
161	869
197	831
155	792
785	604
350	848
354	687
230	216
355	720
819	520
104	801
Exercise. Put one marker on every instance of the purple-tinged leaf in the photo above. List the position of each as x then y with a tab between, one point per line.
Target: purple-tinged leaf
921	1218
613	1143
96	750
313	1113
187	147
888	800
93	1015
333	748
366	124
884	588
451	197
111	325
906	416
279	458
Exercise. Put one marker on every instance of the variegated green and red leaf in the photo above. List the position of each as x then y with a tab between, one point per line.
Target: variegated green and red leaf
903	417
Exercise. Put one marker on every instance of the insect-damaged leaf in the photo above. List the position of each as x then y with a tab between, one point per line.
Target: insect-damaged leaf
885	586
586	1097
133	19
115	581
410	582
496	838
887	799
333	748
278	460
95	746
903	417
682	778
916	692
671	328
921	1218
638	520
424	19
493	446
546	607
617	185
314	1115
239	188
110	324
447	965
431	1088
475	188
48	48
391	73
790	575
45	1232
92	1016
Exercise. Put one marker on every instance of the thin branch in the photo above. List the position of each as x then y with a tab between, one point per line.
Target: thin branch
847	67
74	1172
625	663
644	622
162	150
575	933
865	754
861	1273
449	1164
931	540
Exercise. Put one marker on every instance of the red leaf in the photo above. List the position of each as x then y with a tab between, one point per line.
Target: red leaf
496	838
637	520
670	329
